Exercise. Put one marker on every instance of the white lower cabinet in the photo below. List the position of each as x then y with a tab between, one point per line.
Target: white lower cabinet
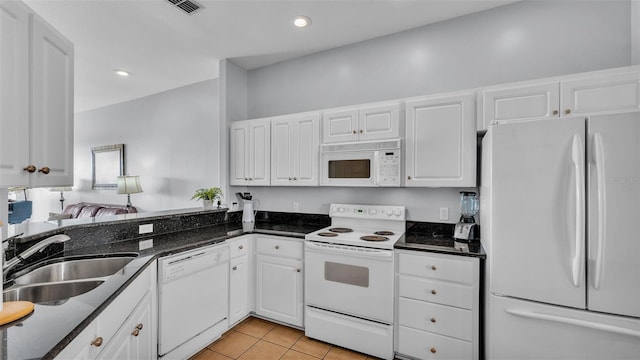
135	339
437	306
240	279
126	329
279	279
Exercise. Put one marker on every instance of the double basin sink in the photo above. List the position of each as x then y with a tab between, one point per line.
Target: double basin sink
55	283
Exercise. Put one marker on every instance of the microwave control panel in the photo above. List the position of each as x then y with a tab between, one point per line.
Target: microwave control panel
389	168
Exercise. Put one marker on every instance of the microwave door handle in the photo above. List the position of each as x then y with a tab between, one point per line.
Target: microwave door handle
376	168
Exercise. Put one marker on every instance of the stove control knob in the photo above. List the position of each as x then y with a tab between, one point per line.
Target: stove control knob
397	212
389	212
373	211
341	209
334	209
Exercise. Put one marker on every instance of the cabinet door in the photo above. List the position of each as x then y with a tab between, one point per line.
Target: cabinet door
279	289
521	103
379	122
52	106
238	289
260	152
282	132
239	153
611	93
134	340
340	126
306	145
441	141
14	94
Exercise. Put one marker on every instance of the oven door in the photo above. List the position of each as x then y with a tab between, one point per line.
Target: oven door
349	168
350	280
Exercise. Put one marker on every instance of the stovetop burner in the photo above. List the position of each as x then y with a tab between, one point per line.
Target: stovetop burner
374	238
327	234
341	230
384	233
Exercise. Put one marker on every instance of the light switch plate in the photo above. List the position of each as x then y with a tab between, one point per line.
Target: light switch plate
444	213
145	244
145	229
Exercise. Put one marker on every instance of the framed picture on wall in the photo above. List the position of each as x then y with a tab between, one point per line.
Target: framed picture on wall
107	163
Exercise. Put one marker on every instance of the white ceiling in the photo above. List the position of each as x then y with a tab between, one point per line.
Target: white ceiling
165	48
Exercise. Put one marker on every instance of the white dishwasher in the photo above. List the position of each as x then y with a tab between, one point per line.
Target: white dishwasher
193	300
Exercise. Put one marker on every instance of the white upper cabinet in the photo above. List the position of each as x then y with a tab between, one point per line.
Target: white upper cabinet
521	103
340	126
366	123
294	150
250	148
601	94
441	141
36	101
581	94
52	107
14	93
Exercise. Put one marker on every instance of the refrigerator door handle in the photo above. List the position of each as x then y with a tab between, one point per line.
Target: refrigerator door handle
602	201
577	155
575	322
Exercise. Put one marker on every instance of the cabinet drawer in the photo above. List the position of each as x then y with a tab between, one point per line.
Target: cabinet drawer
279	247
436	291
238	247
440	319
438	268
425	345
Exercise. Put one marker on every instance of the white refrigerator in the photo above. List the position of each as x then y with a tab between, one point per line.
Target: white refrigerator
560	222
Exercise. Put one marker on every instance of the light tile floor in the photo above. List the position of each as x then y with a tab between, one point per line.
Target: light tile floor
256	338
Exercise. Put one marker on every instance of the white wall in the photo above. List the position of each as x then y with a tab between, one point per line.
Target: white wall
525	40
635	32
171	140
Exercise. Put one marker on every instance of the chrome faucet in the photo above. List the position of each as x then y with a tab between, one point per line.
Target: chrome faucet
60	238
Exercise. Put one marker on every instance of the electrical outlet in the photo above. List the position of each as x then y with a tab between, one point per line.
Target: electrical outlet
145	244
295	206
145	229
444	213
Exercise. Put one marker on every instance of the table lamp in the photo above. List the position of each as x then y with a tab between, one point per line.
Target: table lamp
129	184
61	189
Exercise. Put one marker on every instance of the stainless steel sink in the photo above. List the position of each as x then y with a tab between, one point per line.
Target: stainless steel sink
54	283
53	292
74	270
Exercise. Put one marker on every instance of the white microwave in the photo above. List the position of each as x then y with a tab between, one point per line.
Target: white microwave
364	163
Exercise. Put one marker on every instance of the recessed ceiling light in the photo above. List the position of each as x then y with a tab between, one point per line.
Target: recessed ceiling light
301	21
123	73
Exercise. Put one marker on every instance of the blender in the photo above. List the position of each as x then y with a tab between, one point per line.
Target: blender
466	229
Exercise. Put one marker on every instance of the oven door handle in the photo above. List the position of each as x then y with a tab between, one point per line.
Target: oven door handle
349	250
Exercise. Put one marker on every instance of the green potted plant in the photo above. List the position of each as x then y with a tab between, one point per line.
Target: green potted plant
208	196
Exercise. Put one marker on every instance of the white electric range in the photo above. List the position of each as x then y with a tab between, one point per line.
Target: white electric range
349	277
371	226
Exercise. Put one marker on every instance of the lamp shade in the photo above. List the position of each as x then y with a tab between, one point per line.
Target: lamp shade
60	189
129	184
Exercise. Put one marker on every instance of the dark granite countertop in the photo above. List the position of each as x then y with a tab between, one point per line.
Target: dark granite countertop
51	327
434	237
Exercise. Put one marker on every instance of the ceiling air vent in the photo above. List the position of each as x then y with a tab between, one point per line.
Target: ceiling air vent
188	6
